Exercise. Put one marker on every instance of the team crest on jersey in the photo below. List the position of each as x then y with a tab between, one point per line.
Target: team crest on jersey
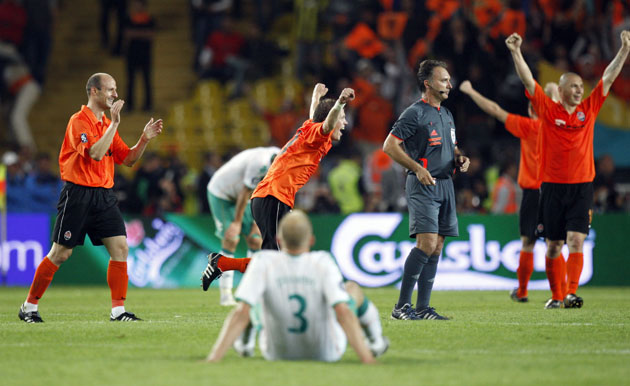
580	116
83	138
453	135
67	235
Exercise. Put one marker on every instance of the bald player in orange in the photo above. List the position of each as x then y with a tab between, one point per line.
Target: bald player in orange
87	204
567	165
527	129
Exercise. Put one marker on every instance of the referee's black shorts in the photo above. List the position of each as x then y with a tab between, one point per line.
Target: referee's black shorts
564	207
267	212
528	213
84	210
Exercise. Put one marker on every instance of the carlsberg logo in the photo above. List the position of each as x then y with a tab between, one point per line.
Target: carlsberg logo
467	264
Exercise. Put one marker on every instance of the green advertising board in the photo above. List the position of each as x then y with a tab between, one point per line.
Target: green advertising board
370	248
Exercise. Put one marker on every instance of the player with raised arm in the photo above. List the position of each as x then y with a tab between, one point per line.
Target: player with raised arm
567	166
295	164
229	192
527	130
299	297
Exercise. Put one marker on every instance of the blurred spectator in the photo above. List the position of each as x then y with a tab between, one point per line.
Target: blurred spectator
18	92
506	192
122	190
211	163
12	22
41	15
346	184
606	198
145	192
206	16
221	55
138	32
119	7
315	196
44	185
306	18
19	199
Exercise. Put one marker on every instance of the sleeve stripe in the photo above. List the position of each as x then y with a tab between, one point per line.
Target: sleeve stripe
392	134
244	301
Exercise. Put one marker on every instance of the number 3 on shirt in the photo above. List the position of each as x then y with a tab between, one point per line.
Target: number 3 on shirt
298	315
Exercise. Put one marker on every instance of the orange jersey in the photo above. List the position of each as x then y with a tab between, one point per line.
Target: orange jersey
527	130
295	164
75	163
566	140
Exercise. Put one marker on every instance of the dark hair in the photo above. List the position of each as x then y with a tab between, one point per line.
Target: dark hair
94	81
425	70
322	110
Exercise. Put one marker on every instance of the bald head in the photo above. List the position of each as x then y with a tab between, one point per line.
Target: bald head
96	81
571	89
295	231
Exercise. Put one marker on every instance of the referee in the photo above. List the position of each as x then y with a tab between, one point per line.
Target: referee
426	129
87	204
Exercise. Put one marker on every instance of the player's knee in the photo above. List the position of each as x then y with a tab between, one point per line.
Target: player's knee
254	243
575	242
229	245
554	249
355	291
60	257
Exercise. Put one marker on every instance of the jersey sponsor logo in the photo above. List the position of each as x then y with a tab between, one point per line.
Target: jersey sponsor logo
580	116
434	133
560	122
67	235
83	137
453	135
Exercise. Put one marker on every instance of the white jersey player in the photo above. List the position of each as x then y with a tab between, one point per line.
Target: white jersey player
304	304
229	191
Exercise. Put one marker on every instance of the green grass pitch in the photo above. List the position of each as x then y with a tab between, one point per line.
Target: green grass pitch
490	340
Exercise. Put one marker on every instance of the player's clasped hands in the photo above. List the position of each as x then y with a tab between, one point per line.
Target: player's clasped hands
115	110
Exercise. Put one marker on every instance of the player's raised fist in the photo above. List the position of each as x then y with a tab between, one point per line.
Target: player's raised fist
513	42
466	87
346	95
320	90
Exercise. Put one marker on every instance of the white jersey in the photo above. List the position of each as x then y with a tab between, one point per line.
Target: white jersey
246	169
297	295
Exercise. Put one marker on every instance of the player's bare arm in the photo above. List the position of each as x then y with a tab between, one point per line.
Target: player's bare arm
333	116
98	150
151	130
488	106
350	325
392	147
234	229
513	43
461	160
615	66
234	325
318	92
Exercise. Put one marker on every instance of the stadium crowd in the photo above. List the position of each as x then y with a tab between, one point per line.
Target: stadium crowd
372	46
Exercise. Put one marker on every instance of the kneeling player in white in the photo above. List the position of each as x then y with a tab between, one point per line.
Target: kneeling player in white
304	304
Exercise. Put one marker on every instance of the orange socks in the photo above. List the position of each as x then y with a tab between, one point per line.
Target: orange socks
232	264
43	276
524	272
574	270
556	276
117	280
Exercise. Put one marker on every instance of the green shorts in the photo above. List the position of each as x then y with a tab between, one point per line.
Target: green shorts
223	214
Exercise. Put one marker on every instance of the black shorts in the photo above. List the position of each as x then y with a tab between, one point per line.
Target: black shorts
84	210
528	213
267	212
563	208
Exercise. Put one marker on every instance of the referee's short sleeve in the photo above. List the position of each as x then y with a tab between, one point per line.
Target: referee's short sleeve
406	125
